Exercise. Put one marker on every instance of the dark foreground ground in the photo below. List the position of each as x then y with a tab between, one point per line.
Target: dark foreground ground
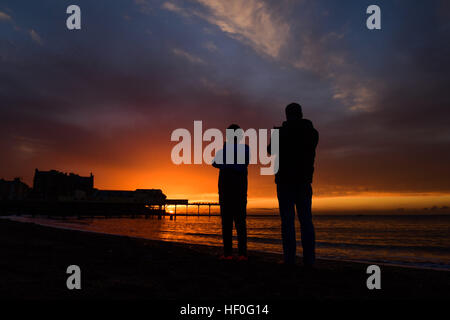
33	262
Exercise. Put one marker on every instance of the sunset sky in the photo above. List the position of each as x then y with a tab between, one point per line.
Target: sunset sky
105	99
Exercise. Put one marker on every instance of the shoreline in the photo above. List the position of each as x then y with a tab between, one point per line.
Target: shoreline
23	219
35	259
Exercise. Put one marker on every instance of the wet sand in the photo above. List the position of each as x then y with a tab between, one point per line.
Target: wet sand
34	260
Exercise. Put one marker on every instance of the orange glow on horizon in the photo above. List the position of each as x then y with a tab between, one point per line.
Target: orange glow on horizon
204	189
199	183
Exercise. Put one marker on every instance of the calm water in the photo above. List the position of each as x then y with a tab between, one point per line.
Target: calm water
421	241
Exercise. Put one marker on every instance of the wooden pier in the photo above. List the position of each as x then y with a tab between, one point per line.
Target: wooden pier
186	204
105	209
58	194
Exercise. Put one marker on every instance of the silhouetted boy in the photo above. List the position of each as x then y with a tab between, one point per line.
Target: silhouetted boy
233	191
297	149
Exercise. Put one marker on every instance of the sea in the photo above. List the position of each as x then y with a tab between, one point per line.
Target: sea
421	241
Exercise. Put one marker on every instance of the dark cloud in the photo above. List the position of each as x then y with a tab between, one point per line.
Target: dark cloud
405	139
113	92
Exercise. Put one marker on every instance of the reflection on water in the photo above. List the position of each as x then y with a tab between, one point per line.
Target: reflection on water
411	240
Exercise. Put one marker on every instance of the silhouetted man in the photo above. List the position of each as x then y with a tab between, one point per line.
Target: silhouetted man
297	149
233	161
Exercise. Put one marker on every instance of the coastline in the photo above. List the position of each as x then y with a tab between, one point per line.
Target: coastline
62	224
35	258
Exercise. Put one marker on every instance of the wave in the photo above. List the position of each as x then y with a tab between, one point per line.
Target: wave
401	255
344	245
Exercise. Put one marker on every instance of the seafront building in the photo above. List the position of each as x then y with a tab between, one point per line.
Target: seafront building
13	189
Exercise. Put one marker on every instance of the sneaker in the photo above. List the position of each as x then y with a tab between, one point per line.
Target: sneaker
223	257
242	258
